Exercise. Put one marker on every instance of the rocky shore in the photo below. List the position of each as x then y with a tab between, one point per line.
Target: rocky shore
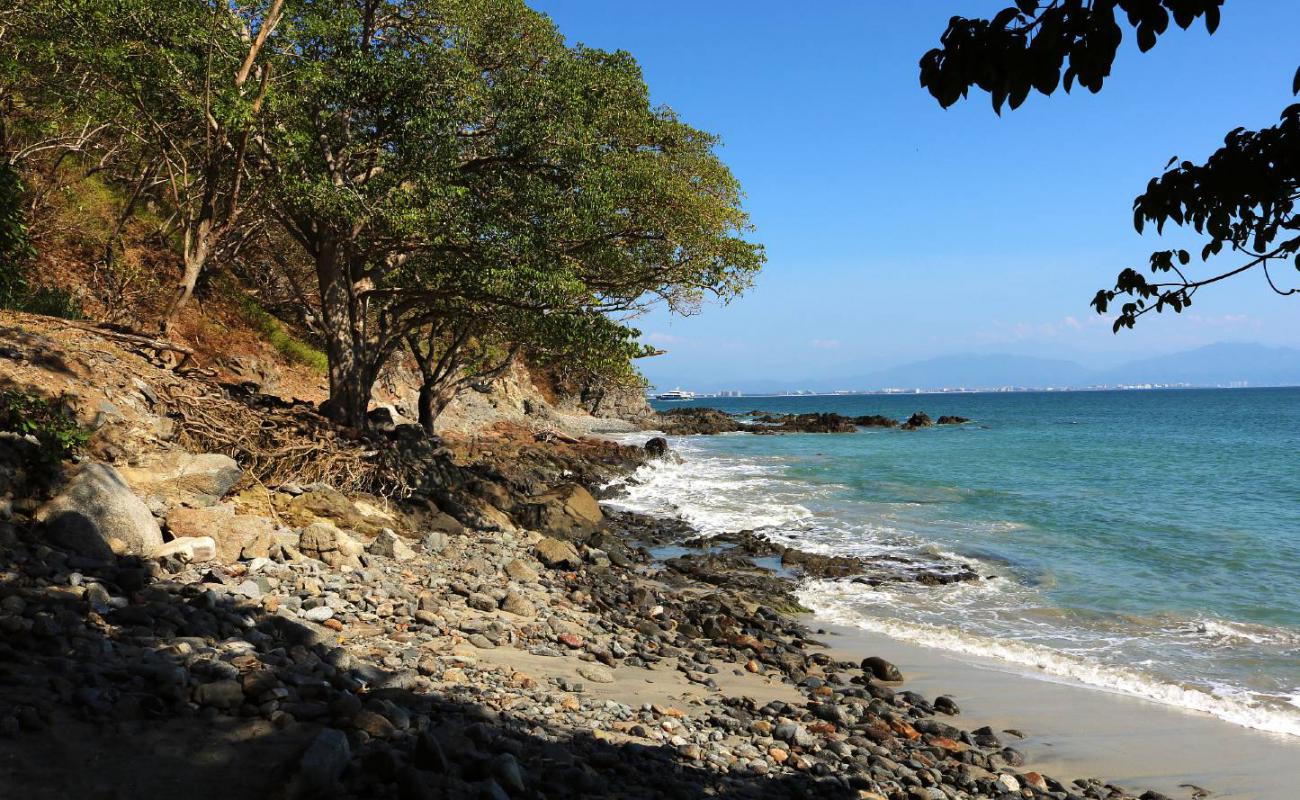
703	420
503	638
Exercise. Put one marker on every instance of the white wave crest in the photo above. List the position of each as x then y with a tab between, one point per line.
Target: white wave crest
837	602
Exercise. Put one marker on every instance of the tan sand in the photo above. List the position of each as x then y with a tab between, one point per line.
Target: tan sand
1076	731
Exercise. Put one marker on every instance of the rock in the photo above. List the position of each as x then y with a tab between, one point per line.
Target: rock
384	419
435	541
517	604
324	542
951	420
656	447
177	477
96	515
685	421
505	768
558	554
323	762
318	614
228	694
882	669
1010	782
236	535
323	504
568	511
377	725
946	705
187	548
481	602
390	545
596	673
520	571
918	420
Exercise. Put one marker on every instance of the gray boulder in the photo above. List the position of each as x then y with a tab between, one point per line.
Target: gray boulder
96	515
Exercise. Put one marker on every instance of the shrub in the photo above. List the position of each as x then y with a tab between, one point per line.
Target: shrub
26	413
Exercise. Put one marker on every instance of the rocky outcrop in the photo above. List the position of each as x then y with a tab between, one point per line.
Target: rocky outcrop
952	420
687	421
97	515
875	421
918	420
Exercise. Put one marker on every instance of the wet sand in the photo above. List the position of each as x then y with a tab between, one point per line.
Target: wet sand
1075	731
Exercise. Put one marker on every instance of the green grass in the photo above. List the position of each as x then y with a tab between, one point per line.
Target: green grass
291	348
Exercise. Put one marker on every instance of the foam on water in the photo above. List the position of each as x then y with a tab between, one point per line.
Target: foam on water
1165	658
841	603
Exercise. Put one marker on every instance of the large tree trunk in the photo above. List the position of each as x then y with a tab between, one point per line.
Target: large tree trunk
352	370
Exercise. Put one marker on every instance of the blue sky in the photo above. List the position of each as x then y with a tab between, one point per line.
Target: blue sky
896	230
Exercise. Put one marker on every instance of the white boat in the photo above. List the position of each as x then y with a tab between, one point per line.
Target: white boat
676	394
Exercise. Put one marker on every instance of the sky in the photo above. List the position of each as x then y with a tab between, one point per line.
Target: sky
898	231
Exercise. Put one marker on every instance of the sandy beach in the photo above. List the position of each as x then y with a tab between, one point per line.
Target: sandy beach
1074	731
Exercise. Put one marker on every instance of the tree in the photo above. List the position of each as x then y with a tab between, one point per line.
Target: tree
181	84
445	161
1243	196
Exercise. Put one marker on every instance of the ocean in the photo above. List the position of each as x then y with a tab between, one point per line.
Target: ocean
1139	542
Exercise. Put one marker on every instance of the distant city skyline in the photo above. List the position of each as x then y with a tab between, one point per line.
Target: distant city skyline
897	231
1227	365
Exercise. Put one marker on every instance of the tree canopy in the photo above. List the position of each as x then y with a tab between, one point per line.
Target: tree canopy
1241	199
452	173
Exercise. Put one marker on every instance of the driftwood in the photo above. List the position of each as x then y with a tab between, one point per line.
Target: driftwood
186	362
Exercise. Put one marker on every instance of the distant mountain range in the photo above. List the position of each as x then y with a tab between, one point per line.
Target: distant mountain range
1223	364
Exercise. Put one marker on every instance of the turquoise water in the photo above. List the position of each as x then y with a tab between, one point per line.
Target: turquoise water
1141	542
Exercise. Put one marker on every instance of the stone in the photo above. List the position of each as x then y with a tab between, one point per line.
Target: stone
596	673
97	515
226	694
1010	782
567	511
187	548
323	762
377	725
558	554
519	570
318	614
481	602
323	504
516	603
390	545
505	768
882	669
177	477
435	541
324	542
236	535
656	447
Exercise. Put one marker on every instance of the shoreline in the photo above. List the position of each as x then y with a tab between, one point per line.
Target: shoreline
1077	730
1074	730
504	639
